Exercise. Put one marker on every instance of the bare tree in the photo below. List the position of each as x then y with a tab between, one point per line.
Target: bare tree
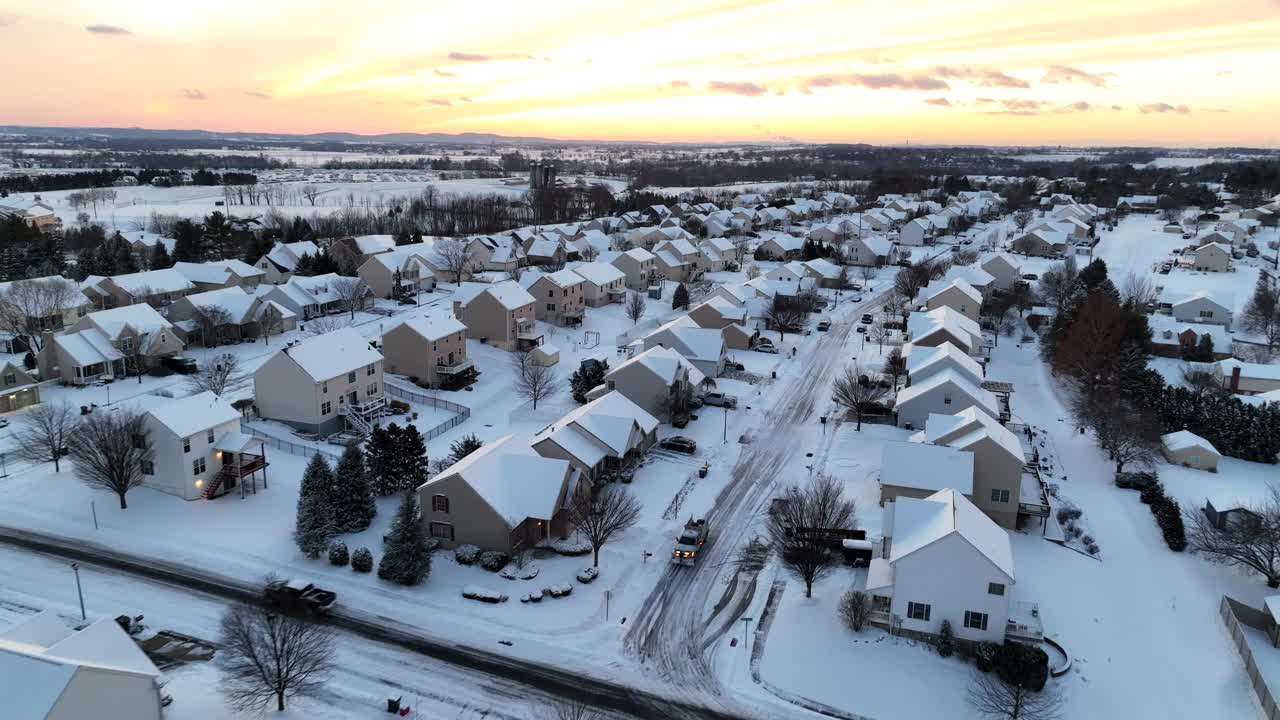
1251	541
43	432
351	293
454	257
798	522
856	390
325	324
1200	381
570	709
635	307
268	656
785	316
867	273
29	307
599	519
211	319
1138	290
220	376
1058	283
855	608
964	257
589	253
992	696
310	192
515	273
1004	323
1128	435
1022	219
534	381
110	451
895	367
270	320
878	333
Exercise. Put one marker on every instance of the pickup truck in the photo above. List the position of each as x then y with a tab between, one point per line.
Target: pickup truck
690	542
718	399
298	596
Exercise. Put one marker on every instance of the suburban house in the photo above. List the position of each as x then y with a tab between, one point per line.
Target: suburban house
352	252
604	283
825	273
1214	257
980	279
601	437
956	294
1202	307
322	385
679	259
198	450
500	314
933	328
1246	378
502	497
1004	269
946	392
652	380
1138	203
915	470
157	288
1173	338
1041	243
401	272
924	361
230	314
638	265
313	296
546	249
55	673
430	350
39	304
17	388
789	272
218	274
279	264
1188	449
779	246
730	319
704	347
871	251
998	461
916	232
501	253
560	297
945	560
38	215
107	343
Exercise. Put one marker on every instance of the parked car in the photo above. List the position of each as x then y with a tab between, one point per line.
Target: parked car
824	325
867	319
862	328
1251	252
298	596
1187	236
766	347
680	444
719	399
857	298
1030	276
180	365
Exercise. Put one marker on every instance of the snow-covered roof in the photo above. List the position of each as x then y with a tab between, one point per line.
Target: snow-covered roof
286	255
509	294
877	245
924	360
669	258
725	309
564	278
1161	323
918	523
824	267
234	301
972	274
515	481
1257	371
921	325
599	273
332	354
664	363
788	243
1185	440
398	258
937	287
680	245
544	247
434	327
153	281
602	428
962	430
88	347
1001	259
142	318
216	271
1220	299
195	413
701	343
981	397
373	244
927	467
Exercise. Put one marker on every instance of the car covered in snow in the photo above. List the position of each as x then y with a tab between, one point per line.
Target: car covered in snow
680	444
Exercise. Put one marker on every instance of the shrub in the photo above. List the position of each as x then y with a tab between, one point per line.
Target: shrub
1091	548
338	554
1087	539
466	554
362	560
571	547
985	656
1151	492
854	609
493	561
1023	665
946	640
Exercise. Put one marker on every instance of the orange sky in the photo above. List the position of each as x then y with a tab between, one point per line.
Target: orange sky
1176	72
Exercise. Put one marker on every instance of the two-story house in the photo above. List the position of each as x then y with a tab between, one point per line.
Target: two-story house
197	449
604	284
430	350
560	297
639	266
157	288
500	314
109	344
38	305
323	385
402	272
279	264
218	274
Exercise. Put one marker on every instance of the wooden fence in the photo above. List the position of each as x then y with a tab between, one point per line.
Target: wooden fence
1234	614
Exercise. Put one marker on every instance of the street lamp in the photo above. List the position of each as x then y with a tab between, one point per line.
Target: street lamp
75	567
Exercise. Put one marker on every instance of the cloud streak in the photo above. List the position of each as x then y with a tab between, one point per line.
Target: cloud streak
444	73
192	94
1163	108
880	81
982	77
254	94
1075	107
939	101
468	57
100	29
1067	75
678	84
737	88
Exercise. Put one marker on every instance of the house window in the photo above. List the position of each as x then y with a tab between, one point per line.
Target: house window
351	377
197	466
946	399
326	407
324	388
10	379
995	588
186	445
551	307
918	611
1000	496
371	370
440	503
444	531
126	345
140	442
975	620
373	389
148	467
210	436
1206	313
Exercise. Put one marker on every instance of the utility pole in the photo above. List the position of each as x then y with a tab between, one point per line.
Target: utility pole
726	423
75	567
746	625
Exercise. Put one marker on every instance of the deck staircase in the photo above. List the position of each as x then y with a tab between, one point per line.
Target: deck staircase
225	473
356	422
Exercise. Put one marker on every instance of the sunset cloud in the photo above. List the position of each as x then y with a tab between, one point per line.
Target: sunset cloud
444	73
192	94
880	81
1158	108
1075	107
981	77
737	88
256	95
940	102
1065	74
678	84
106	29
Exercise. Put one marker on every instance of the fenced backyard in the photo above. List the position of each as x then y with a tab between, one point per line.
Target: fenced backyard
1236	616
460	412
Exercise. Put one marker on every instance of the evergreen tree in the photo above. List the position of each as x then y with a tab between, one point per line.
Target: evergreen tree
459	449
317	479
160	259
403	238
350	495
218	241
412	459
586	377
680	298
298	231
314	525
256	247
1093	274
405	558
379	460
1204	350
187	242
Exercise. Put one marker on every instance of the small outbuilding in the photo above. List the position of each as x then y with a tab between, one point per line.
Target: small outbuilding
1190	450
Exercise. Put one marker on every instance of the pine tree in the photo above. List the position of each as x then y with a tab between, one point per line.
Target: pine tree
1204	351
377	458
406	559
317	479
350	495
160	259
459	449
680	298
586	377
314	525
187	242
413	459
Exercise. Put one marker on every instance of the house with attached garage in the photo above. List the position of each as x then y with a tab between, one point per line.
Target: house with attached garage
431	350
109	344
231	314
601	437
998	463
403	271
730	319
704	347
311	297
197	449
218	274
1138	203
924	361
157	288
603	283
1214	257
779	246
17	388
1246	378
790	272
914	470
916	232
278	264
546	249
1200	307
352	252
958	295
825	273
1173	338
947	392
500	253
943	559
322	385
1041	243
1188	449
33	306
560	296
500	314
871	251
935	327
1004	269
502	497
638	265
652	380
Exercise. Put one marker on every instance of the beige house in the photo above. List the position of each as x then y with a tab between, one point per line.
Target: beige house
652	380
1246	378
731	320
601	437
230	314
604	283
500	314
957	294
1213	257
157	288
431	351
1004	270
1190	450
352	252
781	247
41	304
219	274
502	497
998	460
17	388
1041	243
638	265
825	273
560	297
918	470
500	253
279	264
197	449
704	347
682	256
109	344
312	296
401	272
322	385
546	249
943	324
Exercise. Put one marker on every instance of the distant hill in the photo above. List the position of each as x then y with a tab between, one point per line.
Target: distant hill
466	138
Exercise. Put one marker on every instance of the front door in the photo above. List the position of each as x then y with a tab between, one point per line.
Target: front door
351	397
232	478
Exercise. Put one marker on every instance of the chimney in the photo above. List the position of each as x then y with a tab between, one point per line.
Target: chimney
1235	379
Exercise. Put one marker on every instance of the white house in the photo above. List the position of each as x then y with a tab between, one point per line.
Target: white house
941	325
944	560
946	392
956	294
923	362
279	264
704	347
198	450
915	233
1004	269
1202	307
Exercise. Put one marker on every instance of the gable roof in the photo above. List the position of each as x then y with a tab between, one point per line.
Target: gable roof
983	398
599	273
514	480
919	523
922	360
433	327
664	363
601	428
332	354
189	415
216	271
937	287
157	281
928	467
921	325
967	427
1185	440
141	318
